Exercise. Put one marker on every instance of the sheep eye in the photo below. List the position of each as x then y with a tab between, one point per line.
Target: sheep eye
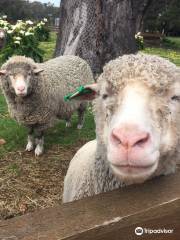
175	98
104	96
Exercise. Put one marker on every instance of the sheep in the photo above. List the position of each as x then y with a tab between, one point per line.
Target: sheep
35	93
137	112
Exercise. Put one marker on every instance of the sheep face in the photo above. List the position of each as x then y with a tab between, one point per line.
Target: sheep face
19	79
137	116
140	127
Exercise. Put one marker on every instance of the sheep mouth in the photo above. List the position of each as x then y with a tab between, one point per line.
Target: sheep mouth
133	169
133	166
21	94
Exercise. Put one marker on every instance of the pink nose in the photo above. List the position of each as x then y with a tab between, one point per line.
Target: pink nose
21	88
130	137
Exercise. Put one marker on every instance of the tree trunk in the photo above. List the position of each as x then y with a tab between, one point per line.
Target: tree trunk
98	30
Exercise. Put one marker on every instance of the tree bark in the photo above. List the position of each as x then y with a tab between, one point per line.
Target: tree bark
98	30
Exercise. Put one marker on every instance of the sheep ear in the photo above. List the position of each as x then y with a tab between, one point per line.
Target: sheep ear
38	70
88	92
2	72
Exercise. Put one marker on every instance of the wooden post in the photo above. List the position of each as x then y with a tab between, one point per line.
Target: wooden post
114	215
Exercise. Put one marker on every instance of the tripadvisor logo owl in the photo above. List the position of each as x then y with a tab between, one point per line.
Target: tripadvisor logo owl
139	231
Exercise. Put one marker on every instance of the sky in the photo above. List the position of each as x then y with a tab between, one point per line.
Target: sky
55	2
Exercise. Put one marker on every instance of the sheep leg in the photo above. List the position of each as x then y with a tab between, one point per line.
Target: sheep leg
30	140
81	112
39	139
68	122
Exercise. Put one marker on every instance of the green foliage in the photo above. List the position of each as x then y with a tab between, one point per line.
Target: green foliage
42	32
139	41
23	39
173	42
168	43
25	9
163	16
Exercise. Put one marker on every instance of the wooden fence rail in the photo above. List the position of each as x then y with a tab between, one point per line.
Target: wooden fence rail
113	215
152	39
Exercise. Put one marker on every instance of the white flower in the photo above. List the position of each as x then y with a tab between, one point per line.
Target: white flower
29	34
138	34
22	32
45	20
29	22
2	35
18	38
30	29
17	42
19	24
42	23
4	17
13	27
6	28
9	31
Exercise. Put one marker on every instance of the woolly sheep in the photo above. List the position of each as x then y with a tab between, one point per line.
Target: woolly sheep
137	114
35	91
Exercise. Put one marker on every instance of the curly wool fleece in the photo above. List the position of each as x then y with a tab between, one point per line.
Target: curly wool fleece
45	104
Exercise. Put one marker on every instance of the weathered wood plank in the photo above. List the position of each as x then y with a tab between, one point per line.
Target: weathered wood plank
152	38
113	215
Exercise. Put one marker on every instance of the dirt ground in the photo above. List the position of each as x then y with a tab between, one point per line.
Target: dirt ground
28	183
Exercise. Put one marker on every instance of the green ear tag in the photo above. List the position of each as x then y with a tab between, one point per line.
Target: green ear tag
79	91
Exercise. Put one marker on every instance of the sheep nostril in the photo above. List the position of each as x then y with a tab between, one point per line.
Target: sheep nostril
116	138
141	142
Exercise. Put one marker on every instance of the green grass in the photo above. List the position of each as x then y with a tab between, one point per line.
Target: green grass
175	41
172	55
170	50
48	47
15	135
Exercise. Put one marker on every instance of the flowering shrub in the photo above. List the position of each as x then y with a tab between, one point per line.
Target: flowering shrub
23	39
42	31
139	41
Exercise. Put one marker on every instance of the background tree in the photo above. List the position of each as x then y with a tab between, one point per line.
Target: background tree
99	30
163	16
24	9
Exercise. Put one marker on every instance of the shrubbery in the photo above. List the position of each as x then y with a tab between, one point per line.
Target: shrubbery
23	39
139	41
